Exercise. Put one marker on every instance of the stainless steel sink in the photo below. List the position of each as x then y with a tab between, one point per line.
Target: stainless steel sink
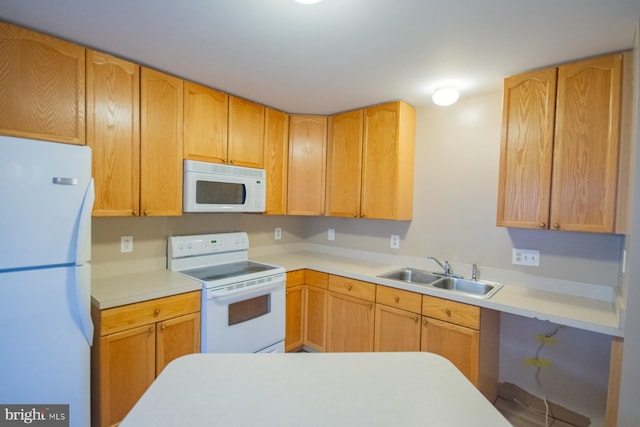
476	288
482	289
411	275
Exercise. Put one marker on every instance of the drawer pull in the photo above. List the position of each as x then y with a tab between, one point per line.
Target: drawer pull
156	312
448	312
349	287
397	299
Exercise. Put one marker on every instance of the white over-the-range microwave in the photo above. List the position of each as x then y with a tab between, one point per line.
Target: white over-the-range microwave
213	187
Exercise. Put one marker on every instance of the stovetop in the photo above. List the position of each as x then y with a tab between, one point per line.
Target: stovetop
225	271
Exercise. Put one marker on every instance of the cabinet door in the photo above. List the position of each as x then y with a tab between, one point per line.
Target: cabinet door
175	338
205	123
113	133
585	157
387	161
344	164
42	86
127	369
350	323
276	160
294	317
315	314
458	344
246	133
307	153
161	144
396	330
524	183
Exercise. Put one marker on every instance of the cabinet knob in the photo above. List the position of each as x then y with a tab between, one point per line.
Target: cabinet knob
542	225
156	312
416	319
146	213
150	329
397	299
370	306
424	322
448	312
556	225
163	327
349	287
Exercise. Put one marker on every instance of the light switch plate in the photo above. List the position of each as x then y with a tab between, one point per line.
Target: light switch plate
530	257
277	234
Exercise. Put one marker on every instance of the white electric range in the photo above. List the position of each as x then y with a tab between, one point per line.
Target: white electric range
243	301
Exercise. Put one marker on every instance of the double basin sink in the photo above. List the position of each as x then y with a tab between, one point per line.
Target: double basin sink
475	288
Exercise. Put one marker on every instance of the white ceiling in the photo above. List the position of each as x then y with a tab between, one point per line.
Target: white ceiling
338	54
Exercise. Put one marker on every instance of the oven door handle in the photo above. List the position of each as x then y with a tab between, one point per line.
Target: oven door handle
229	296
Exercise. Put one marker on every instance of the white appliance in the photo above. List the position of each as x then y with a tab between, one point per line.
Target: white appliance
45	322
212	187
243	302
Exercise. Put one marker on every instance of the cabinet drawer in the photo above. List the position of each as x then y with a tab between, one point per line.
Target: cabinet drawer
295	278
405	300
355	288
451	311
130	316
317	279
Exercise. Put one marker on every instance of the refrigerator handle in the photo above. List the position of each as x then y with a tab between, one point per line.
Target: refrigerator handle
83	243
82	290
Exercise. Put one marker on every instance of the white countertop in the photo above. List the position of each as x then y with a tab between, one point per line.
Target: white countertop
115	291
584	313
323	389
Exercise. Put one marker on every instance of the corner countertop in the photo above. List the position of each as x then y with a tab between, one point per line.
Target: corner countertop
322	389
580	312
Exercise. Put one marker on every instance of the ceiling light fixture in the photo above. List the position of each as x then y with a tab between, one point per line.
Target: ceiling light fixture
308	1
445	96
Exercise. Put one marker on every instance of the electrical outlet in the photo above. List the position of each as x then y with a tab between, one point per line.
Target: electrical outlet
331	234
277	234
530	257
126	244
395	241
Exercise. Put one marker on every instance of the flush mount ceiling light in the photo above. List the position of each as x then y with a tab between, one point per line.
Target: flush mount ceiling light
308	1
445	96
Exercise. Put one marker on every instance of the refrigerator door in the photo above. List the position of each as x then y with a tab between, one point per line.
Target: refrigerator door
44	186
45	356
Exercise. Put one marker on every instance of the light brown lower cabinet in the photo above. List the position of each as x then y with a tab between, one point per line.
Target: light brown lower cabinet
294	312
397	320
468	336
132	346
315	310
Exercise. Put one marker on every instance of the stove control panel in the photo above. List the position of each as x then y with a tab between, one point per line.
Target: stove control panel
206	244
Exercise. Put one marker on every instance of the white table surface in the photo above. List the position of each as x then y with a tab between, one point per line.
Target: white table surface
313	389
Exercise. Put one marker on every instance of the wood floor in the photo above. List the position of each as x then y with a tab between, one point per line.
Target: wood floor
521	416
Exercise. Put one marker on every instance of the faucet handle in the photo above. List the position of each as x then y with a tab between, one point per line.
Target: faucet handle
474	272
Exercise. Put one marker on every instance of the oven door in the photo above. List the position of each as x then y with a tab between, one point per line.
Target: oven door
244	317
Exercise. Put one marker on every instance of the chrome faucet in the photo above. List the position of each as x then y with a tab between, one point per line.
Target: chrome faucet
446	267
474	272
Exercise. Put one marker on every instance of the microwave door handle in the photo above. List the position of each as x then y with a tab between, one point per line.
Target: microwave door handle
230	296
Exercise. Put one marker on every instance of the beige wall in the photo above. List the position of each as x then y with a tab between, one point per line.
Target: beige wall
456	178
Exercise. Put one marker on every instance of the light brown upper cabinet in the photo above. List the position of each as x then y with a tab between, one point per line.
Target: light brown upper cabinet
42	86
113	133
344	164
246	133
205	123
387	161
276	160
560	147
307	156
161	149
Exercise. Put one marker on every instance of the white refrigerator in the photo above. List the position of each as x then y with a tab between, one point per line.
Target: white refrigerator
46	194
